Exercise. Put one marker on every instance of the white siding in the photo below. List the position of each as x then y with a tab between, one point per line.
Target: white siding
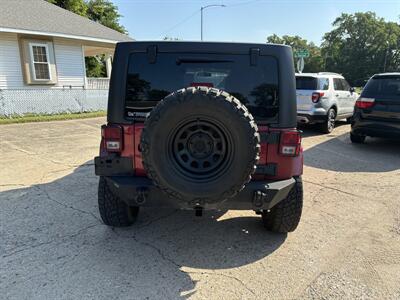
10	65
68	58
69	62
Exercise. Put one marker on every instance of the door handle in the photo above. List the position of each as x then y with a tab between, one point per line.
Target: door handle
337	95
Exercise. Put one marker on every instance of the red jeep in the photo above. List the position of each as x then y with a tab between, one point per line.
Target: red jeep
201	126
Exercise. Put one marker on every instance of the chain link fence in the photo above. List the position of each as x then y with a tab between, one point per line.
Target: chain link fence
18	102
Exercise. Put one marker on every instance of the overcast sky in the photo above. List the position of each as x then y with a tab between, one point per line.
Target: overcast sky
242	20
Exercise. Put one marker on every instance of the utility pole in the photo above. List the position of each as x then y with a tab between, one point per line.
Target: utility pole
201	10
386	54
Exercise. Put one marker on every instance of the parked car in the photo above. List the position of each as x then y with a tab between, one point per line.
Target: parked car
377	111
201	126
323	98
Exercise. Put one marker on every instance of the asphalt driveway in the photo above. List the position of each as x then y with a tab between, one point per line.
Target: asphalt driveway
54	246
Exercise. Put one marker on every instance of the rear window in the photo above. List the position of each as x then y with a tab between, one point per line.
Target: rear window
256	86
306	83
312	83
387	87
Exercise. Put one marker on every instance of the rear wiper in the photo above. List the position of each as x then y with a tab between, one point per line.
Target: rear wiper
200	61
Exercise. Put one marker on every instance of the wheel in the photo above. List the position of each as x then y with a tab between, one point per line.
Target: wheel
113	211
285	216
329	124
357	139
200	145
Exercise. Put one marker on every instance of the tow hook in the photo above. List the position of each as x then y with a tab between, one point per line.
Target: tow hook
198	211
142	194
259	198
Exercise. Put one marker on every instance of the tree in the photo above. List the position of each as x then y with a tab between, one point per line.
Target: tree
314	63
78	7
361	45
106	13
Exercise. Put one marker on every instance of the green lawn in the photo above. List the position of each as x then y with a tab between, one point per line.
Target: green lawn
45	118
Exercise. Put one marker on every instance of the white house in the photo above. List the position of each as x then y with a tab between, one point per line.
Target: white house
42	59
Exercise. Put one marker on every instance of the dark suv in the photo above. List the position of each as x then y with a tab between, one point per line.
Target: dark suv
201	126
377	111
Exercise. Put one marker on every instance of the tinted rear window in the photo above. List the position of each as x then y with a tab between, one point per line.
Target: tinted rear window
255	86
306	83
387	87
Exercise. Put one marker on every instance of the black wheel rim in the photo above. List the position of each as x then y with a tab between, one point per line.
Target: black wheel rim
201	148
331	120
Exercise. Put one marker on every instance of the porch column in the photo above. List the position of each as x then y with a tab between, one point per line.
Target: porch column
108	66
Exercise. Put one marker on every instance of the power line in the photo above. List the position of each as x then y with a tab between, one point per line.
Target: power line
180	23
198	10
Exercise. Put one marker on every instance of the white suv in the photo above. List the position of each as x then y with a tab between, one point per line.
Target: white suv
323	98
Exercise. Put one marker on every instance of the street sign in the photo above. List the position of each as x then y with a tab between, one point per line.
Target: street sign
300	65
301	53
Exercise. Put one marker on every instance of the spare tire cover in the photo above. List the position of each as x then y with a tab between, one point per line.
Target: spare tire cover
200	145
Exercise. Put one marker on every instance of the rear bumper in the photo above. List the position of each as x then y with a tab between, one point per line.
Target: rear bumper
304	118
375	128
257	195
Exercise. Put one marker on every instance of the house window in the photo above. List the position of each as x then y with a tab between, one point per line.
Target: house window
40	61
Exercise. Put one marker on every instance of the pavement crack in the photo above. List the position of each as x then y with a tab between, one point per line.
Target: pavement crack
68	206
335	189
158	219
69	165
63	238
158	250
13	184
16	148
226	276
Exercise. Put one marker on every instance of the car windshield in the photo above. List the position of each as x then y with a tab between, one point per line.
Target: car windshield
387	87
256	86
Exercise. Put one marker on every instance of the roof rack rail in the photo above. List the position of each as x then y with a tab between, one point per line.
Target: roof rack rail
329	73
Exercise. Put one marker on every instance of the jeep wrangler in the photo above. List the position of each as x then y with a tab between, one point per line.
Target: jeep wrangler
196	125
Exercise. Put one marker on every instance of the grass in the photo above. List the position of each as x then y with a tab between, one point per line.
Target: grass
46	118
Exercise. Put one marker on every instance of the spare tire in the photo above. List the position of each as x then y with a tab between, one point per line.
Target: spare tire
200	145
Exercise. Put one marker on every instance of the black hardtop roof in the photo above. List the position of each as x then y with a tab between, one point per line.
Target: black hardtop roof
209	47
283	54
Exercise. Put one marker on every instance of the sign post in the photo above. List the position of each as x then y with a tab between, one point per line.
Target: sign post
300	65
301	54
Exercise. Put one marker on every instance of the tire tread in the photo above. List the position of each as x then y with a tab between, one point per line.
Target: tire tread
285	216
113	211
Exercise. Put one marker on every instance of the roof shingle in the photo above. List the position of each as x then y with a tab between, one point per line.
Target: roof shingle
42	16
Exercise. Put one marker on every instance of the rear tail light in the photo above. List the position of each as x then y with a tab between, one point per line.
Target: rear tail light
365	102
112	137
315	97
290	143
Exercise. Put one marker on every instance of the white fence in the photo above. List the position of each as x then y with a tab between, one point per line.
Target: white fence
98	83
51	101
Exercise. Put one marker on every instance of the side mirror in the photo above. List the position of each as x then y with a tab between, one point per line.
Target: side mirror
352	90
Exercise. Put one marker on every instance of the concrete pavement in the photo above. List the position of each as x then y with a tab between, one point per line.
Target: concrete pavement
54	246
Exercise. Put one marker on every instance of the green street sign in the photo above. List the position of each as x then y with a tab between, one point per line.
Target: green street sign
301	53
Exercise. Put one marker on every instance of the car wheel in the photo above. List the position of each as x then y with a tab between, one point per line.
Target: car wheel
329	124
285	216
200	145
357	139
113	211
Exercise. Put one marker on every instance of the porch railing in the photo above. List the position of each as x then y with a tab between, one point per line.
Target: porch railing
97	83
